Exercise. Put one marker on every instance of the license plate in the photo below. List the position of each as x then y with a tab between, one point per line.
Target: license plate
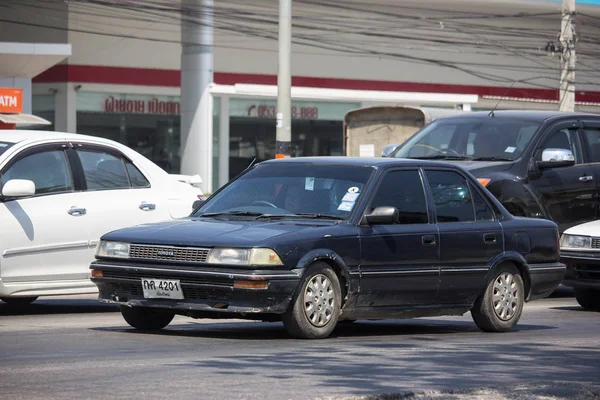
162	289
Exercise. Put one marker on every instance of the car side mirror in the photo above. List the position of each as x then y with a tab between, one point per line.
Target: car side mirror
18	188
388	149
556	158
197	204
383	216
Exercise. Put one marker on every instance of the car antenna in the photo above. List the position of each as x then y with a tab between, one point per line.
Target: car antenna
491	114
251	163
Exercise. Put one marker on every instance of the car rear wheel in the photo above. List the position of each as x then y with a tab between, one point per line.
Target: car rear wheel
315	309
149	319
18	301
499	308
588	298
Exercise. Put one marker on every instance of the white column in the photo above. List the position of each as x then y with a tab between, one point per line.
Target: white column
65	112
196	101
224	142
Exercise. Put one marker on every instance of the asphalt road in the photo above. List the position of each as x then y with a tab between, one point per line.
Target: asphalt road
75	348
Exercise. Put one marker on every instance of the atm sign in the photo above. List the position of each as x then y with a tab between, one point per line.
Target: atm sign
11	101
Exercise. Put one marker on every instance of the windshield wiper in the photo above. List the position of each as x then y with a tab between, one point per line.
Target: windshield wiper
493	159
443	157
317	216
236	213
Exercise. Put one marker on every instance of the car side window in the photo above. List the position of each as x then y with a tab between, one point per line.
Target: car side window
564	139
593	138
483	212
103	170
451	196
49	170
138	180
403	190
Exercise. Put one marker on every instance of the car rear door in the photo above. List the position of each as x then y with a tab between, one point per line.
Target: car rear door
570	194
43	237
117	194
470	235
399	262
590	132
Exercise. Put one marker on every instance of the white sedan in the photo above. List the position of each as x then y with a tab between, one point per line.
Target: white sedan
59	193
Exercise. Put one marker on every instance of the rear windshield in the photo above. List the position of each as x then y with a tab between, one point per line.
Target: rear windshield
4	146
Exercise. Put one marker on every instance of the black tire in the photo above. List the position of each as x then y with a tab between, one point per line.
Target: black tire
325	313
19	301
147	319
510	303
588	298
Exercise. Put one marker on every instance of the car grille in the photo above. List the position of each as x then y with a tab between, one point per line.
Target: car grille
168	253
588	271
134	289
191	280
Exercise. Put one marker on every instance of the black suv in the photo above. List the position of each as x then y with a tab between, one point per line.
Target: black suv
539	164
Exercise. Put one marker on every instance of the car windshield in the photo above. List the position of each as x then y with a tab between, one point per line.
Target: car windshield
491	139
284	190
4	146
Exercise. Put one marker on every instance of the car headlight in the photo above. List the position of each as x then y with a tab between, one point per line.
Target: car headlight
576	242
112	249
243	256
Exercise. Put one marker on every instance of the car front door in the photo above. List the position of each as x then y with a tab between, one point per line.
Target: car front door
117	193
399	262
470	235
569	194
43	237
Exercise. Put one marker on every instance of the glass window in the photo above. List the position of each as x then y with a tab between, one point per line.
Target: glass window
103	170
292	189
138	180
563	139
49	170
472	138
593	138
403	190
483	212
4	146
451	196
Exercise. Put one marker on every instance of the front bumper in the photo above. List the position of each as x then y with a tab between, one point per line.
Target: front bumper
205	289
583	268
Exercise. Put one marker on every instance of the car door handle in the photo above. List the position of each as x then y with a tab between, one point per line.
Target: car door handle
147	206
75	211
586	178
489	238
428	240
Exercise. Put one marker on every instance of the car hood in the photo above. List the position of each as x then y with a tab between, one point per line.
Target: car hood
208	232
588	229
476	166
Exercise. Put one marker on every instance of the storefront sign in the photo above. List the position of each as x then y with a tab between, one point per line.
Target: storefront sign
11	100
144	106
301	110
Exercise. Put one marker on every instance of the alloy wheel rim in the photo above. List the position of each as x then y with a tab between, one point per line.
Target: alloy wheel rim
506	298
319	300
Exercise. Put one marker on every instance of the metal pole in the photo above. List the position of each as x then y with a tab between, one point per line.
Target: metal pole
567	59
283	143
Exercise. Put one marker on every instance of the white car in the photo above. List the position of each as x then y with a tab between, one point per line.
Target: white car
580	252
59	193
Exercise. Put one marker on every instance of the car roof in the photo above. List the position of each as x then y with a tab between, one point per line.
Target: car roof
532	115
22	135
359	161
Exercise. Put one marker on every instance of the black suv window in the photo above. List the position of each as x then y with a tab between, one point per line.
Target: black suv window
403	190
563	139
103	170
593	138
49	170
451	196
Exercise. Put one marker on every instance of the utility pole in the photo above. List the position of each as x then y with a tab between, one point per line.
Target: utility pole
567	59
283	144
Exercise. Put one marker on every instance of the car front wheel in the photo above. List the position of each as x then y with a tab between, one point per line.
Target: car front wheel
499	308
315	309
588	298
148	319
18	301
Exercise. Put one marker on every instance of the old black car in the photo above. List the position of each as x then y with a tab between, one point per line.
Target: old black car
312	241
542	164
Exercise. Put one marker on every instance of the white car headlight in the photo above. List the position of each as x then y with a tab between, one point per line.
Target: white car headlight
576	242
243	256
112	249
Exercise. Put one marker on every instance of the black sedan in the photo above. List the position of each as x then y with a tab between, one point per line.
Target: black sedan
314	241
